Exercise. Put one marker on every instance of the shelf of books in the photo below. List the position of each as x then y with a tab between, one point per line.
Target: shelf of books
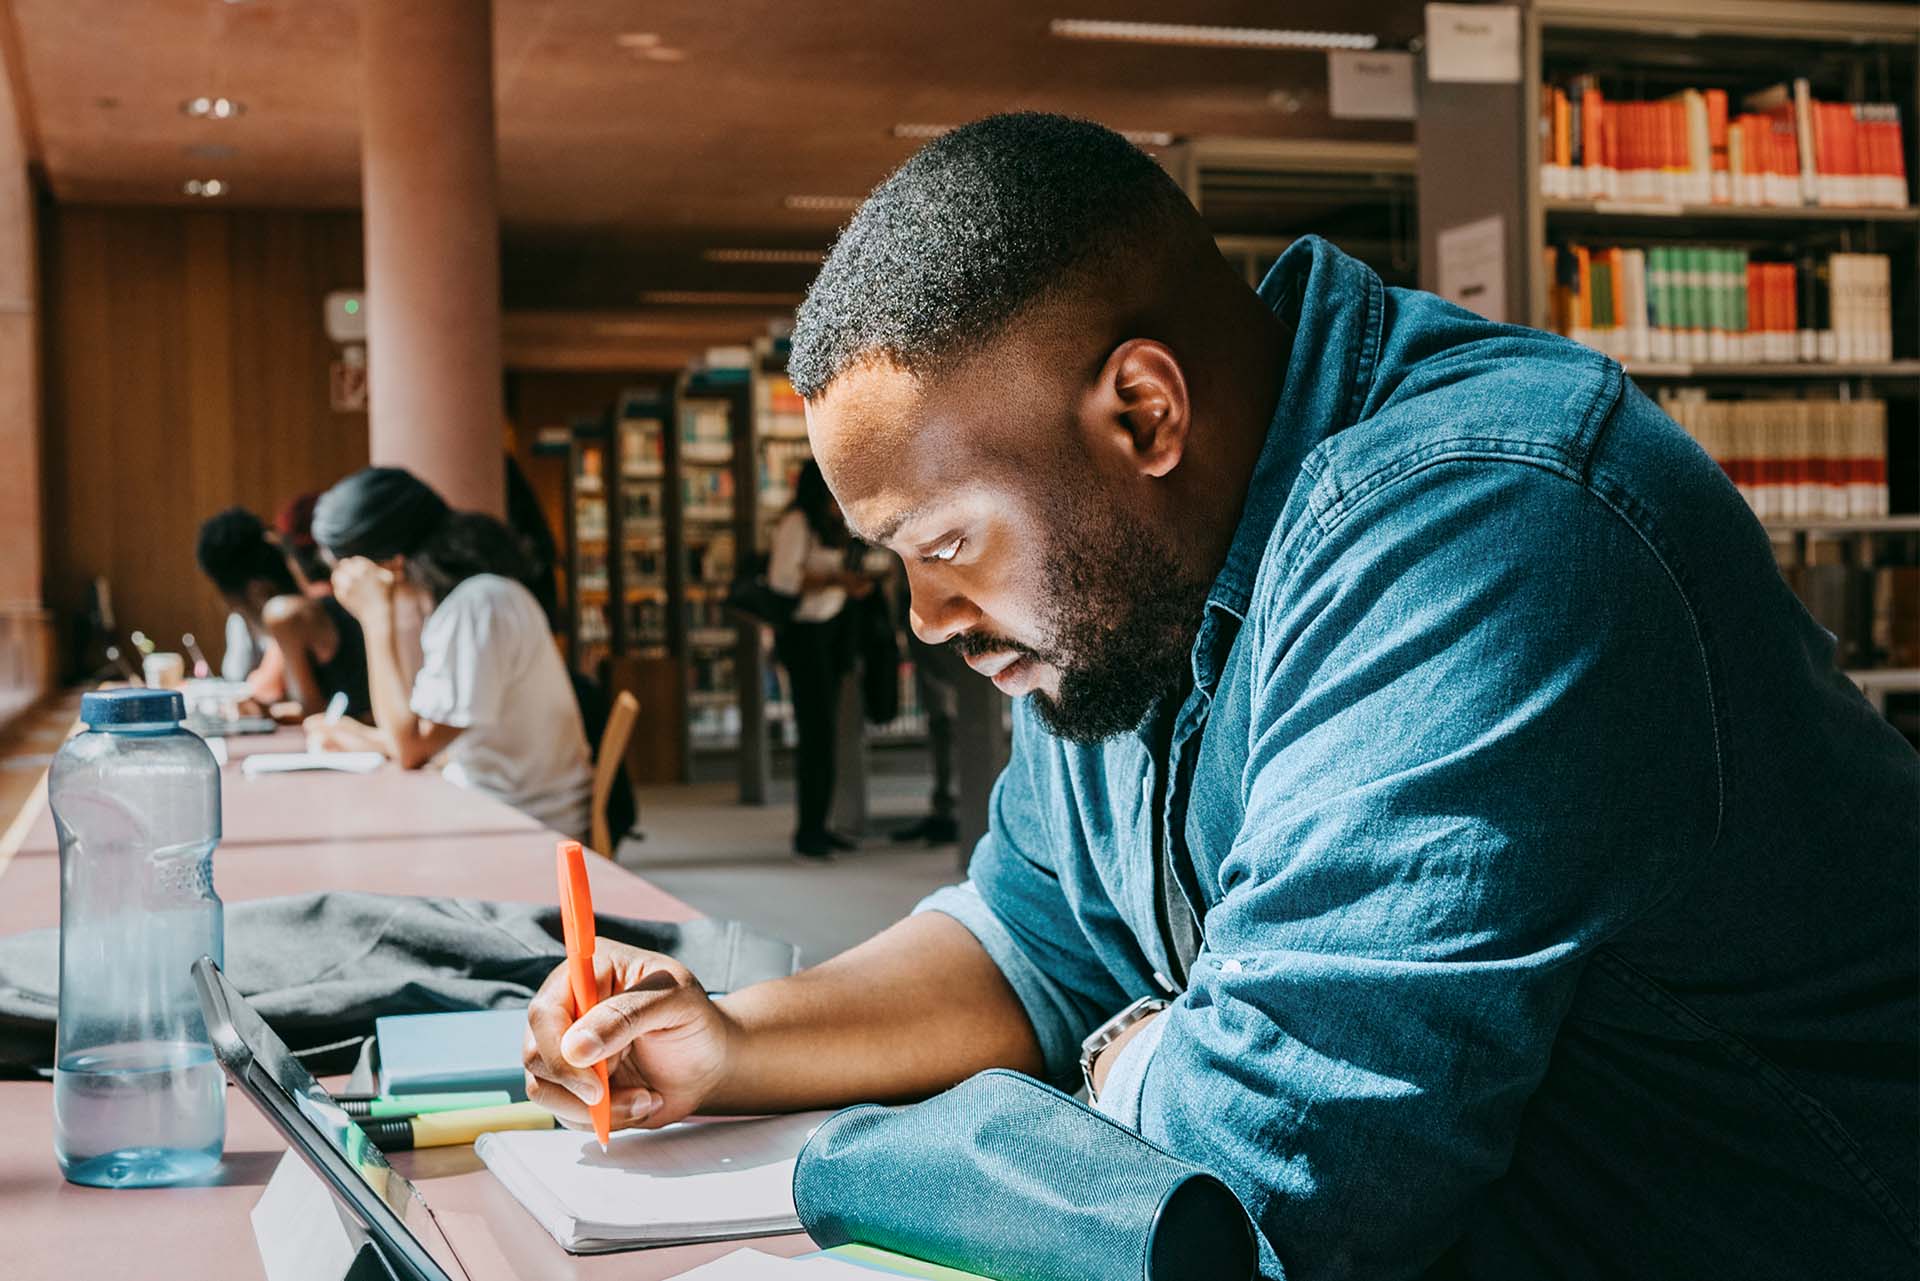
640	431
590	567
1725	202
710	431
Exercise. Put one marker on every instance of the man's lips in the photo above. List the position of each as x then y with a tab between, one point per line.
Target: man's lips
991	665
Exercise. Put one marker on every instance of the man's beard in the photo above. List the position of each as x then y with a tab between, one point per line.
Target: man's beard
1120	632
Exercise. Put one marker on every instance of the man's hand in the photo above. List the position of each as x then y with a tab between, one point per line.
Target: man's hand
364	589
666	1045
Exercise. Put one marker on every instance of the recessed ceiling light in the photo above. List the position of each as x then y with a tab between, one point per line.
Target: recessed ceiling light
205	108
1138	137
637	39
206	187
806	256
1181	33
834	203
719	298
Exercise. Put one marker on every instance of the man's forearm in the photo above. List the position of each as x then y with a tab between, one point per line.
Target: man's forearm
904	1015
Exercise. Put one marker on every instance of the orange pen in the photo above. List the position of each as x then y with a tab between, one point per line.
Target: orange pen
576	926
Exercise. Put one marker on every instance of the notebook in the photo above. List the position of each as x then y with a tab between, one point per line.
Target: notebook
469	1050
696	1181
293	762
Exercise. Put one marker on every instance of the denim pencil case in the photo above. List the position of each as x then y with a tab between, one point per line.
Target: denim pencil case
1007	1177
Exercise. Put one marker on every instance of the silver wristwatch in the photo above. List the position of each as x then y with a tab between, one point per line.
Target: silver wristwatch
1109	1032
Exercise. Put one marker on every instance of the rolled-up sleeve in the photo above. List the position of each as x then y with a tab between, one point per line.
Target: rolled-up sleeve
1475	756
1014	904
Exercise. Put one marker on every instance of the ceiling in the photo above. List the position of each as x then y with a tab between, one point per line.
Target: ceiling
765	100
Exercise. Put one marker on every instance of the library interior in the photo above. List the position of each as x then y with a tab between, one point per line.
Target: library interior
1176	641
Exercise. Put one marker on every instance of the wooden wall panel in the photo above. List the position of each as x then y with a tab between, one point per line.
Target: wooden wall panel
186	370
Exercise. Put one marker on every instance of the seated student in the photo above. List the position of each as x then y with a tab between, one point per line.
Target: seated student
315	648
1429	810
491	691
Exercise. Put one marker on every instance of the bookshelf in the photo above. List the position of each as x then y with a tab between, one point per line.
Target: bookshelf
706	501
1757	131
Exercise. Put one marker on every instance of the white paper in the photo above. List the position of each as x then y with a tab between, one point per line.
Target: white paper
1473	43
1369	85
292	762
1473	265
700	1181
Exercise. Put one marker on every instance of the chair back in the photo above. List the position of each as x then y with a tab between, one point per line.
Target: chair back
608	764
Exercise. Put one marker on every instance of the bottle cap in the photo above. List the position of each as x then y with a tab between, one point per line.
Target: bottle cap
109	707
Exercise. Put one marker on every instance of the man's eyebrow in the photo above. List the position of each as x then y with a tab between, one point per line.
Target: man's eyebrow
883	534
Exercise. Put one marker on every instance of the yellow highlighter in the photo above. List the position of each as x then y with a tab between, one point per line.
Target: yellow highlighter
449	1129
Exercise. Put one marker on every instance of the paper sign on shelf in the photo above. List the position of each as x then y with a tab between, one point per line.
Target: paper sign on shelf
1473	43
1472	259
1376	85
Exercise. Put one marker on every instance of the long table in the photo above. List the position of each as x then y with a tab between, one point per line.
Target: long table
389	832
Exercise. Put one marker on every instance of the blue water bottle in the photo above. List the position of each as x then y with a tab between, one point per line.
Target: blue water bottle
138	1099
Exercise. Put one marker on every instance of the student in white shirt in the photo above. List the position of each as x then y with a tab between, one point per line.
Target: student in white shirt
491	693
807	560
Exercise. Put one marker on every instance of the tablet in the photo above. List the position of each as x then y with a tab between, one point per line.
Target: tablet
372	1192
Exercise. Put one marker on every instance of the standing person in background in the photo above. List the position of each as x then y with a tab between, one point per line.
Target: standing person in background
315	648
491	690
806	561
937	673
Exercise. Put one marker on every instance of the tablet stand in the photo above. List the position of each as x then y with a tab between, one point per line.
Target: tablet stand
303	1236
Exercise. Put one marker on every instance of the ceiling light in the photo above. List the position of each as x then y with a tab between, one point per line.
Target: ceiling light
1185	34
205	108
719	298
1138	137
637	39
664	53
837	204
806	256
206	187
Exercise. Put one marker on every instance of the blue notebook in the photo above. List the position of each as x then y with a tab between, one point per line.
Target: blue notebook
471	1050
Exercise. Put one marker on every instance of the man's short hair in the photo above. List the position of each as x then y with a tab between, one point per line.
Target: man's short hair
234	551
976	227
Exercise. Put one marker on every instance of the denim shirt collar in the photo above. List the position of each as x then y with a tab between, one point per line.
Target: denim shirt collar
1334	307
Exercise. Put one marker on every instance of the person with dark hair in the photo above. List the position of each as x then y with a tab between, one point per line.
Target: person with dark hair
807	560
293	526
491	691
1429	810
315	648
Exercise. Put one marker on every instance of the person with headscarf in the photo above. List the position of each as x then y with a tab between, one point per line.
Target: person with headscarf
491	691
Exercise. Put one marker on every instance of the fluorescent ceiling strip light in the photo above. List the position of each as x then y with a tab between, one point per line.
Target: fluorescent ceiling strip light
834	203
718	298
1184	34
809	257
1138	137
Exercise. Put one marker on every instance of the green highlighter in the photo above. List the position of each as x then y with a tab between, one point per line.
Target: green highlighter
402	1106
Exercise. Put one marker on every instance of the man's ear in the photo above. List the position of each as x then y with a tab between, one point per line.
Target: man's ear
1138	406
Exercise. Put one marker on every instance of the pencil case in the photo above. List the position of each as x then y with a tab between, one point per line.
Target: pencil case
1010	1178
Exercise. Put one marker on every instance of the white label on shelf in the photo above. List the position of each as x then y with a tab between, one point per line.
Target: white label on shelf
1369	86
1473	43
1473	265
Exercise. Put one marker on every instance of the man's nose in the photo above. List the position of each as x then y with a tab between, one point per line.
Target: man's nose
938	615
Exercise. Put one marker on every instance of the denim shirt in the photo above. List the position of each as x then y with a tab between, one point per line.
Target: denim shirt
1558	892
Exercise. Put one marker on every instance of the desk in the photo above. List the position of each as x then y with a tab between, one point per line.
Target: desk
389	832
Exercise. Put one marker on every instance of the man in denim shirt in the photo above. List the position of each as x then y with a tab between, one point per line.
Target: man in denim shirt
1411	706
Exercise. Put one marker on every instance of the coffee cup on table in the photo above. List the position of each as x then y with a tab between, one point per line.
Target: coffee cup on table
164	671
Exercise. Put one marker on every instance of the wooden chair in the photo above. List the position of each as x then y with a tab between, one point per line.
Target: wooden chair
613	754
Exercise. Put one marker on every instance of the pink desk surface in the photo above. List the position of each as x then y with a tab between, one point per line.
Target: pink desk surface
320	806
289	834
